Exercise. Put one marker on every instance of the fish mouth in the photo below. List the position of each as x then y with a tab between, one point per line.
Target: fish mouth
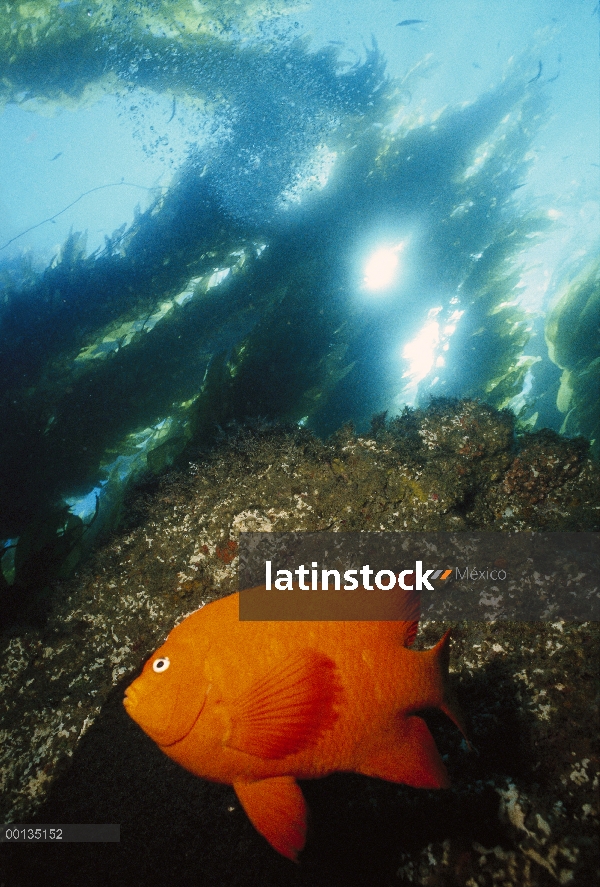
176	730
129	699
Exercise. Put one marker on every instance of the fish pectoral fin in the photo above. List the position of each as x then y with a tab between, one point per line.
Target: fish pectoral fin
288	709
410	756
277	809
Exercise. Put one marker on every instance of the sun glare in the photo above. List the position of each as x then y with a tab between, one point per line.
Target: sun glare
421	351
382	267
426	351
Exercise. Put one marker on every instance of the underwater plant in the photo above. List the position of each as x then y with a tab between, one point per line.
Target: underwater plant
572	337
240	292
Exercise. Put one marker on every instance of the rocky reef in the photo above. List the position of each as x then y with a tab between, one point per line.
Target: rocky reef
523	807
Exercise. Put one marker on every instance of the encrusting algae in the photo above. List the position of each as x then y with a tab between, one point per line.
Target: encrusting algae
522	811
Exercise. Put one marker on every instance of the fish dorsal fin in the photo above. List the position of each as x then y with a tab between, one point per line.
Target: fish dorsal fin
277	809
410	632
288	708
408	605
449	704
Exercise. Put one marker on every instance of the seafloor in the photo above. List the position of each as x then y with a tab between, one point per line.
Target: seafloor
523	808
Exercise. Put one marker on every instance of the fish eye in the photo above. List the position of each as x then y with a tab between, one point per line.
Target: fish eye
161	664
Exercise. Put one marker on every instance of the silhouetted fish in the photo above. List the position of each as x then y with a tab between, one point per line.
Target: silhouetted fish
538	75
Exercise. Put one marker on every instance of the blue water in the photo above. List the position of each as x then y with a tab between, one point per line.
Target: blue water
467	44
397	323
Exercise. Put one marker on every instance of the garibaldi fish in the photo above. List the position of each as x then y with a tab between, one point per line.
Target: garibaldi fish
261	704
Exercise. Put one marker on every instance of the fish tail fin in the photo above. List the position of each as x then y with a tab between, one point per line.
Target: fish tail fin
448	703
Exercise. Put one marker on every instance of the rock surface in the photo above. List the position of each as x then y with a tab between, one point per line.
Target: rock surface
523	808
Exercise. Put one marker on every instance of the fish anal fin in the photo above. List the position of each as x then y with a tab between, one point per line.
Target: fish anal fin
410	756
277	809
287	709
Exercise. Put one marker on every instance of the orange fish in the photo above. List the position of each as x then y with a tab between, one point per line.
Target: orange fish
261	704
